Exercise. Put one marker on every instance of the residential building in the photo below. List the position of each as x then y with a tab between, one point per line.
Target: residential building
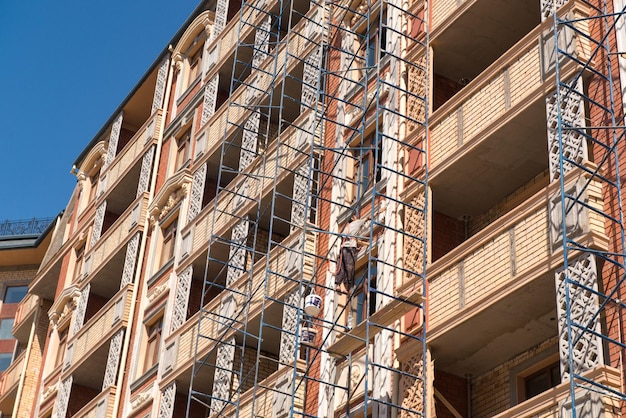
23	318
459	160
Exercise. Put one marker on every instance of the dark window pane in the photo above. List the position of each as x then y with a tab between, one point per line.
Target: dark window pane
15	294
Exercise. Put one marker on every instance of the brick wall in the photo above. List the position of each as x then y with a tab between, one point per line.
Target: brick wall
454	390
447	234
598	90
491	391
444	89
79	397
265	366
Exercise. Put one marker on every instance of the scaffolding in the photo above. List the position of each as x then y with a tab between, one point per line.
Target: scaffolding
327	109
586	134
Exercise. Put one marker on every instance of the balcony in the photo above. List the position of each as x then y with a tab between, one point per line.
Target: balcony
292	154
270	284
268	399
224	122
9	383
24	316
500	93
132	152
101	406
129	222
554	402
501	280
94	335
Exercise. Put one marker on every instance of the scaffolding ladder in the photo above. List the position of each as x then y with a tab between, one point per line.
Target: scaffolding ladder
586	134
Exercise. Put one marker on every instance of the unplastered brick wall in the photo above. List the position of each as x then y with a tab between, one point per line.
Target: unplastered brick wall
19	273
505	205
265	365
491	391
454	389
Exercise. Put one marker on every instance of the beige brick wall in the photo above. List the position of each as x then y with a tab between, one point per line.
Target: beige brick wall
491	392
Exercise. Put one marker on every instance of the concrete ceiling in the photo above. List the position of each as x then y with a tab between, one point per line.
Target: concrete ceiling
512	325
481	35
505	161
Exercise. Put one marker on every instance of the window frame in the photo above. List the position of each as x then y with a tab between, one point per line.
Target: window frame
519	375
59	357
6	291
182	144
153	339
169	234
12	321
365	154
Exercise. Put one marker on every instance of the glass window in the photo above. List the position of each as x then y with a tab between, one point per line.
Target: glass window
169	239
5	361
367	165
15	294
182	149
360	299
6	328
61	347
154	340
542	380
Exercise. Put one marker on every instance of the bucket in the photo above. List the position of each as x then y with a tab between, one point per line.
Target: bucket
312	304
307	335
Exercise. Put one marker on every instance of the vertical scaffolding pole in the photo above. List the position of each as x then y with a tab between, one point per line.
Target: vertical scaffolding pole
588	137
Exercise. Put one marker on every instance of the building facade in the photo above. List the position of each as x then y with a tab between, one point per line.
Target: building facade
23	327
459	161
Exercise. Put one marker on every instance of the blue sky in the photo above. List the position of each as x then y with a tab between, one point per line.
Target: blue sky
65	67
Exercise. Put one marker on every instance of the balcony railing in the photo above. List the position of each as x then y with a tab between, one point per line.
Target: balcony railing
33	226
555	402
511	251
11	376
123	228
100	407
509	85
23	315
276	287
132	152
112	317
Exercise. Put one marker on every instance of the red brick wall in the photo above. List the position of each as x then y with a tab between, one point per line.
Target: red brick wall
447	234
598	90
325	193
454	390
444	89
79	397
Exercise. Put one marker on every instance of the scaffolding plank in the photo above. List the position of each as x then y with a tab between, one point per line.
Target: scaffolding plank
378	321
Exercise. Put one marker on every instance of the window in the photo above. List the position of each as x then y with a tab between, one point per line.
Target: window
5	361
195	63
182	149
169	240
61	348
153	331
363	304
15	294
542	380
93	187
6	328
368	158
372	45
78	266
